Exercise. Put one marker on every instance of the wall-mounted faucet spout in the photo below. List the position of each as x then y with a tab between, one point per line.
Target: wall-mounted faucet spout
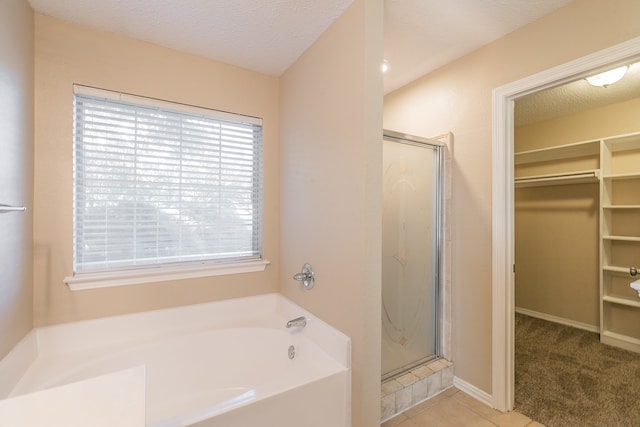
298	321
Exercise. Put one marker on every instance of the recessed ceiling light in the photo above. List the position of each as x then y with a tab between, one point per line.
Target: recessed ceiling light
385	66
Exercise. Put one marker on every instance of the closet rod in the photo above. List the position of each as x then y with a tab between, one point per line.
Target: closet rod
558	179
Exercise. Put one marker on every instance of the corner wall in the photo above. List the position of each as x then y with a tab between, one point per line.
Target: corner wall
331	186
457	98
16	171
67	53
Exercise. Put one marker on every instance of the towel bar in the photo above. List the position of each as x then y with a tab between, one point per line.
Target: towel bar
7	208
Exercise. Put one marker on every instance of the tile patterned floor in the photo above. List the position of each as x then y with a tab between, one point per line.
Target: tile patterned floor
454	408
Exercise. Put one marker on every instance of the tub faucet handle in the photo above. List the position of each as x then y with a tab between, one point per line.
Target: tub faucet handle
306	276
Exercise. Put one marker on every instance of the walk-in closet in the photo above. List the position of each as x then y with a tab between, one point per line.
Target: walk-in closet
577	220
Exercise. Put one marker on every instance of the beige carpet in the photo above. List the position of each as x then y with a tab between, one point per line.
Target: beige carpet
565	377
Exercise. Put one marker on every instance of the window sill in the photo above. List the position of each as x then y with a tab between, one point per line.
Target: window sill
160	274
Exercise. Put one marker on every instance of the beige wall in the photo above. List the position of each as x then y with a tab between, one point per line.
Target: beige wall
67	53
556	227
457	98
557	251
610	120
16	170
331	167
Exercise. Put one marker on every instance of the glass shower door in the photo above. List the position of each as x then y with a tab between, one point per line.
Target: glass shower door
410	252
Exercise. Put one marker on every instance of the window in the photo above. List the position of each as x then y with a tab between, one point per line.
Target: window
163	184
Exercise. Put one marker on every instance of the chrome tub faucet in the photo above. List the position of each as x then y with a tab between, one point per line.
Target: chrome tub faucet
298	321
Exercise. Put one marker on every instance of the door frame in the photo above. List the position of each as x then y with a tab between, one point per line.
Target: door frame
503	236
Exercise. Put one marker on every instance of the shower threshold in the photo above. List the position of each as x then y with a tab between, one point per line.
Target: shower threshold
415	386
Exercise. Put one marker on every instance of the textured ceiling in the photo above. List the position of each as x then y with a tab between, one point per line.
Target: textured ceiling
260	35
575	97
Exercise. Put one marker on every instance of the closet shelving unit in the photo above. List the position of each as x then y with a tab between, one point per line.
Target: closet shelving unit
615	163
620	240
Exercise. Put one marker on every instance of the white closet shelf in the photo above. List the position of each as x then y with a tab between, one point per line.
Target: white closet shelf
621	207
579	177
630	141
620	176
622	238
621	301
616	269
558	152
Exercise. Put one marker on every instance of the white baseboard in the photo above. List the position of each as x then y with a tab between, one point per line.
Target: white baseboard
473	391
556	319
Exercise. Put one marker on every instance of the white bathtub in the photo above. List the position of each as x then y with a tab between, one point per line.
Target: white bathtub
216	364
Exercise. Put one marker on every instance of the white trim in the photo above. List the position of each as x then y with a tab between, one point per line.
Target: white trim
502	201
559	320
502	253
473	391
84	281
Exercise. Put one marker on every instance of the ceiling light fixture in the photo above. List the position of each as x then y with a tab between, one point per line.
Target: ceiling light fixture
385	66
608	77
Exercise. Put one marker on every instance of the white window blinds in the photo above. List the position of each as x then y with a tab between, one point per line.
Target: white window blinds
161	183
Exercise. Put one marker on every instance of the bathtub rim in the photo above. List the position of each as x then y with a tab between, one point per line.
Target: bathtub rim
52	339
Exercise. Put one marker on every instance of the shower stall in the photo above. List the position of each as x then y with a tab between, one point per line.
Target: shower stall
411	248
